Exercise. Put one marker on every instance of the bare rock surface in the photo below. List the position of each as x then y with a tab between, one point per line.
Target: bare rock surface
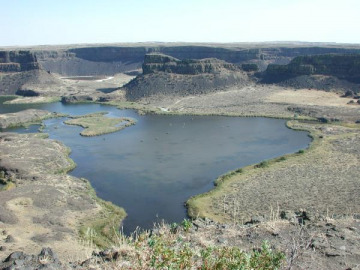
46	260
46	207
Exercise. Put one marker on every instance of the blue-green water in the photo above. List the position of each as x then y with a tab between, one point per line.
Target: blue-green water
153	167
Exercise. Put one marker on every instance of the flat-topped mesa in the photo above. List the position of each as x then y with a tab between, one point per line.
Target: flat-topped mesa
168	76
17	61
164	63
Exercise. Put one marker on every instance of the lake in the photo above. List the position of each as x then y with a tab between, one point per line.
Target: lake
153	167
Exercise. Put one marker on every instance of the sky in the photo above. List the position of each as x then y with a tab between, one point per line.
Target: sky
43	22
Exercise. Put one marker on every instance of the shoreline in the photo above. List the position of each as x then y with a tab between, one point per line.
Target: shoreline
49	206
290	166
103	225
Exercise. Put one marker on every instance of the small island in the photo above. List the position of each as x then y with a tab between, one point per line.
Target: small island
96	124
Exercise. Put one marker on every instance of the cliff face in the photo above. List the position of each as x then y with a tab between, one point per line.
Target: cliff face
90	61
109	60
341	66
17	61
339	72
19	71
163	63
166	75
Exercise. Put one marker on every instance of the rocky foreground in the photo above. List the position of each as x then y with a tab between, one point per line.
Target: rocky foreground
44	206
294	241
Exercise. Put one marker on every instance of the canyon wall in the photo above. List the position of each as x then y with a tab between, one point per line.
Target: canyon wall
17	61
18	70
341	66
109	60
324	72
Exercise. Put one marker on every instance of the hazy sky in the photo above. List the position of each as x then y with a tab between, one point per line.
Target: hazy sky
36	22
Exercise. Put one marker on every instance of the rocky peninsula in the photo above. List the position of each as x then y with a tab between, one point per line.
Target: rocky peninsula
26	117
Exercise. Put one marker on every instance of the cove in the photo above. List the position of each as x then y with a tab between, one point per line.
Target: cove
153	167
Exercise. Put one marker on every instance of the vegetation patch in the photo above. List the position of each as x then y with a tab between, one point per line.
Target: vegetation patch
103	229
166	248
97	123
262	164
5	182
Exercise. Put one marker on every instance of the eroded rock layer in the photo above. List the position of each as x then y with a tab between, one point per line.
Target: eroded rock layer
166	75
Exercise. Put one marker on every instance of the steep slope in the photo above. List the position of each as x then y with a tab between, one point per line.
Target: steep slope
166	75
20	73
326	72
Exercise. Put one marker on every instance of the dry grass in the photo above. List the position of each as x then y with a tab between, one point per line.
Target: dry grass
321	179
308	97
97	124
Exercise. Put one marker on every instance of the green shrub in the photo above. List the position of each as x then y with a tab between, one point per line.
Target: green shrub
186	224
262	164
164	253
281	159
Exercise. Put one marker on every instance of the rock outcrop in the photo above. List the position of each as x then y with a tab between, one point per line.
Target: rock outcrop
109	60
329	72
338	65
21	74
164	63
166	75
16	61
46	260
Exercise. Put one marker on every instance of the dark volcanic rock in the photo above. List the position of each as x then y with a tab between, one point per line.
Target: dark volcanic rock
349	93
341	66
250	67
77	99
47	259
27	83
9	239
108	60
165	75
164	63
16	61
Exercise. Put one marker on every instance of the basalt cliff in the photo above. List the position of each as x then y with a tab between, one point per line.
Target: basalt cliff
110	59
21	73
166	75
38	70
325	72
